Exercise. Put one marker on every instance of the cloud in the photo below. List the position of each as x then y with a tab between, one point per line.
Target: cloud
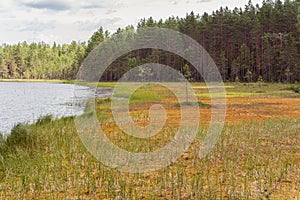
35	26
62	5
7	6
93	4
6	14
54	5
3	4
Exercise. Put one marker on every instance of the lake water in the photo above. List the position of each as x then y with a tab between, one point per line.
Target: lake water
22	102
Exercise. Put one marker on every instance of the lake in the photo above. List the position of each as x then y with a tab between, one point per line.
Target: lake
22	102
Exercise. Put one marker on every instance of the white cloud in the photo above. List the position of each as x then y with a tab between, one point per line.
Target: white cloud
55	5
61	5
35	26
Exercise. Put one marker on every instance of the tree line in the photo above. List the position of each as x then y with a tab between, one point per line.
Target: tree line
256	43
40	60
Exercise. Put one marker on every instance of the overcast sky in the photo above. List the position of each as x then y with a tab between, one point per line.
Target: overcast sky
66	20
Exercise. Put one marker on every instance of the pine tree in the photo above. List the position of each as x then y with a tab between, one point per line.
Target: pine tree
95	40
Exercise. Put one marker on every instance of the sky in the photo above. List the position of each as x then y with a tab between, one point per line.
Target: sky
64	21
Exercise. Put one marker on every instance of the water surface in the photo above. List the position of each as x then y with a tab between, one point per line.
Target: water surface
22	102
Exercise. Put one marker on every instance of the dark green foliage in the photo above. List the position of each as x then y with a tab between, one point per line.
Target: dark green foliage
95	40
